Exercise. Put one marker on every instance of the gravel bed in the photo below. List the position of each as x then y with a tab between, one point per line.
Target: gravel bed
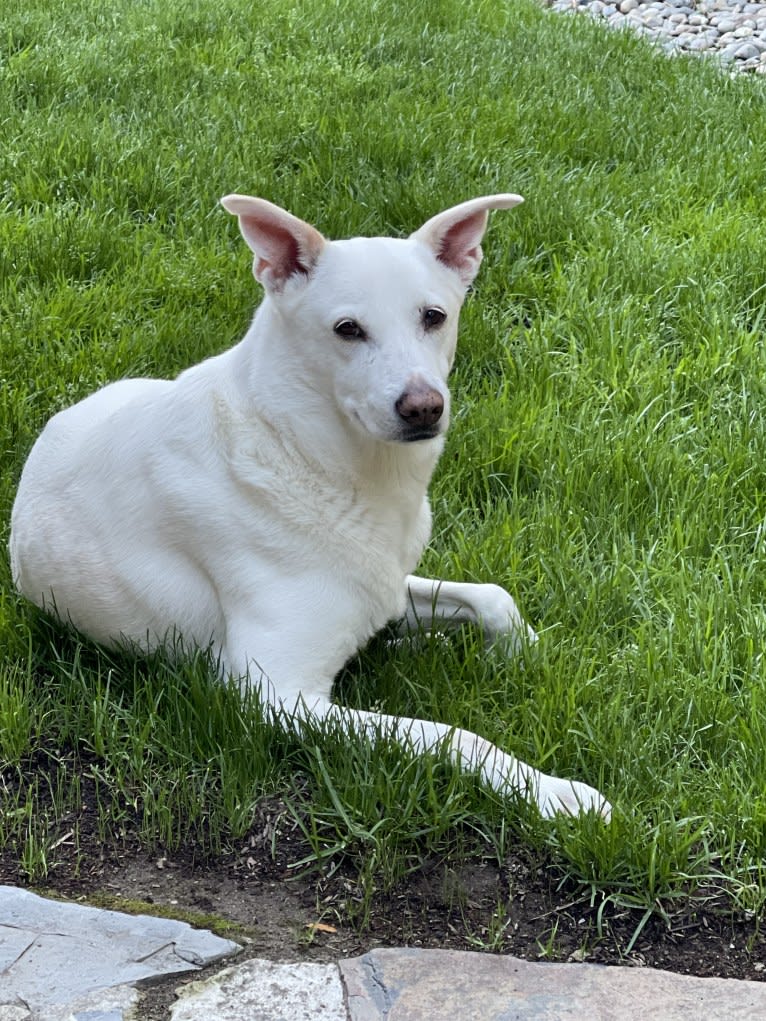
733	33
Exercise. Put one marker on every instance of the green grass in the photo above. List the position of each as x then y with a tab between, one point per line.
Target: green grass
606	461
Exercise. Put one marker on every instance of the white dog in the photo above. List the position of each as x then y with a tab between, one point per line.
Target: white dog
273	499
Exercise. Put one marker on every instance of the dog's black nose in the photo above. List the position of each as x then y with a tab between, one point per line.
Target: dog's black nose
421	407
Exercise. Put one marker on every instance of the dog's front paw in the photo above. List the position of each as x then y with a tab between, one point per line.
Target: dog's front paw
571	797
503	625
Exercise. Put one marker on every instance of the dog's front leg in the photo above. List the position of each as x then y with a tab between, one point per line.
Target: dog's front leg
436	604
498	770
299	696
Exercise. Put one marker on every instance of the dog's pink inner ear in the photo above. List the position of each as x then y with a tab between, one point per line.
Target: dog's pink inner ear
278	253
281	250
283	245
459	247
454	236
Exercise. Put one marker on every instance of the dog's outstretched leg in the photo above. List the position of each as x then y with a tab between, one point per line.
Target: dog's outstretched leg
500	771
440	604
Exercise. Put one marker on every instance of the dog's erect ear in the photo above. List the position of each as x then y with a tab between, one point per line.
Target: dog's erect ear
283	245
455	235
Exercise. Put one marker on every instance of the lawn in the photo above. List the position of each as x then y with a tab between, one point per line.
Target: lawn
606	461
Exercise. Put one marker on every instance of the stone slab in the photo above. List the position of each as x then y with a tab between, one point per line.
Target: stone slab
265	991
119	1003
106	1005
55	955
421	985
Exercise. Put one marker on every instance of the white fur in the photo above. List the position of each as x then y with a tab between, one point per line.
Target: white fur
272	500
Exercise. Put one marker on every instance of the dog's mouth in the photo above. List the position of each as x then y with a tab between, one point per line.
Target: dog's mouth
417	435
401	435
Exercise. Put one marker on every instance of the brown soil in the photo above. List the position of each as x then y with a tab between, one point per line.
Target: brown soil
252	895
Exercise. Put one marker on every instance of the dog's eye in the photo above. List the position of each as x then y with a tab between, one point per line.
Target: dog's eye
349	329
433	317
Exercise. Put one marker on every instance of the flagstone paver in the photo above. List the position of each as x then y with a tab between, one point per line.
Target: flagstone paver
55	955
265	990
423	985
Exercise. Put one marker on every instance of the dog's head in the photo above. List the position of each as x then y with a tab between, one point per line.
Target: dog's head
372	322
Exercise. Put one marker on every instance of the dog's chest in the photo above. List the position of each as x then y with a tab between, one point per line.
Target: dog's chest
309	520
366	528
